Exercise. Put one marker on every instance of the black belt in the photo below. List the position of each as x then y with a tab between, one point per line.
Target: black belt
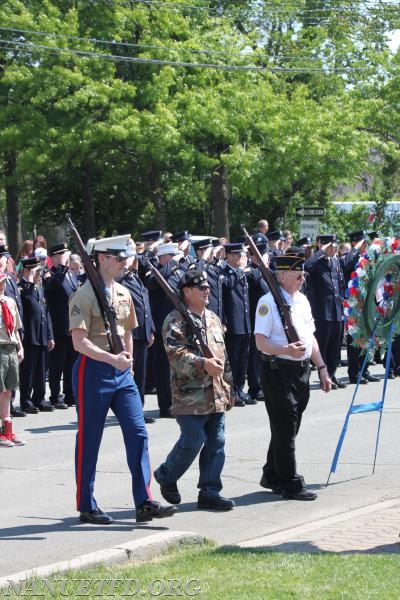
285	361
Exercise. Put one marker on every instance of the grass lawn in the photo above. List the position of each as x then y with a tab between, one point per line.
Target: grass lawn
231	574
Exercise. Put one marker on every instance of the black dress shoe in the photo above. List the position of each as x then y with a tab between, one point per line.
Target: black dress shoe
239	401
150	510
60	405
370	377
214	502
391	375
166	414
46	407
30	409
250	401
274	487
363	381
69	401
17	412
304	495
260	396
169	491
339	384
95	517
149	419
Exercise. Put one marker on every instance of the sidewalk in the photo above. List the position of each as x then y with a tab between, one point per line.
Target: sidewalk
369	530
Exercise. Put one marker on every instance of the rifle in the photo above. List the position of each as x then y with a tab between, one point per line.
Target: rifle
107	311
274	288
185	312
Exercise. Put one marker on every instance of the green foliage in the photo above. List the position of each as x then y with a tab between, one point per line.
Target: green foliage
138	142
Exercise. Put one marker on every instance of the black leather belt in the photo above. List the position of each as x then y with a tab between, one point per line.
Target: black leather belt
285	361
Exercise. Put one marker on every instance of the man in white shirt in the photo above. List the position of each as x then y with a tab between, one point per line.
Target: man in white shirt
285	374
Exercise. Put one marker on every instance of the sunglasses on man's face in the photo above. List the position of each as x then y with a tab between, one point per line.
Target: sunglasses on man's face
203	287
117	258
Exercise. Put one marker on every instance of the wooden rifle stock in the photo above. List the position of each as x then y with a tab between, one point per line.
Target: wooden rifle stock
282	305
107	311
186	314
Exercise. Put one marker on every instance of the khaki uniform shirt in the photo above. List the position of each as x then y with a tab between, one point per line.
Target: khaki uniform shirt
84	313
4	337
194	392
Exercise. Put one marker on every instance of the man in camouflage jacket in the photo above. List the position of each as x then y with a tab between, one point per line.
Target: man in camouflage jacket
201	393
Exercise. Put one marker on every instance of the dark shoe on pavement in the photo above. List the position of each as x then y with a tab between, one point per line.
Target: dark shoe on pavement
95	517
60	405
274	487
260	396
150	510
334	386
391	375
339	384
214	502
17	412
149	419
166	414
46	407
169	491
30	409
250	401
69	401
370	377
363	381
304	495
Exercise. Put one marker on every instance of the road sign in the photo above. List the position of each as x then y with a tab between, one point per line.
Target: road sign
309	228
311	211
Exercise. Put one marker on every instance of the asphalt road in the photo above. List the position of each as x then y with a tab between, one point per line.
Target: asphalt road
39	523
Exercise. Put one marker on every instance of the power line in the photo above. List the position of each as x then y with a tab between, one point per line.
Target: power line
130	59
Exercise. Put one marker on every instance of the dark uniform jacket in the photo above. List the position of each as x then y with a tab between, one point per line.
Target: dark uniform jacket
214	277
235	295
13	292
160	304
141	302
325	287
36	318
58	289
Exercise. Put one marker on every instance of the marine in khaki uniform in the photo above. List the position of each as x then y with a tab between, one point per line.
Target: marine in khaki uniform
102	380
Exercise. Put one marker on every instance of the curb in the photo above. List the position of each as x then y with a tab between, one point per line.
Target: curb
139	549
288	534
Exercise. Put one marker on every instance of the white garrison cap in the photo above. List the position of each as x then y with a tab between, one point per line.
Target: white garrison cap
41	252
168	248
117	245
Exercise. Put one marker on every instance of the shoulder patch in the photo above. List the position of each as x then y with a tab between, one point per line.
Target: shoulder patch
263	310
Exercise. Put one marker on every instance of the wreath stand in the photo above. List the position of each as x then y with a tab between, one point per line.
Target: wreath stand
366	407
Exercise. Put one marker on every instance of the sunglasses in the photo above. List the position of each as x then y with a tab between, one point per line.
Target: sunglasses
203	287
117	258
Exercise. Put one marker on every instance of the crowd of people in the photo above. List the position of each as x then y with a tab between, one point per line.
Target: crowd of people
51	331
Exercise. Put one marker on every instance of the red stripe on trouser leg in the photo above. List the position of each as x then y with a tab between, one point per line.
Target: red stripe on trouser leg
79	458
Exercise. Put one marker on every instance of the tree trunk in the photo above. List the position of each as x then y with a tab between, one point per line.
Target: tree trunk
158	200
219	187
14	236
89	216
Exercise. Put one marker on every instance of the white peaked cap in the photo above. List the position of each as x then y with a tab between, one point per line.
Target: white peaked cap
168	248
116	245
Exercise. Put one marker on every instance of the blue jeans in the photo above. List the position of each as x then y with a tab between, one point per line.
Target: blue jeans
199	433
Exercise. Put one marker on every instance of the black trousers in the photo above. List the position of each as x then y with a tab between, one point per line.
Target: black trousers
253	368
286	394
61	360
237	348
329	338
162	374
32	374
140	366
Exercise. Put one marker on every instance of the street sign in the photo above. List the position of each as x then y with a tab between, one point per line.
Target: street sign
311	211
309	228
